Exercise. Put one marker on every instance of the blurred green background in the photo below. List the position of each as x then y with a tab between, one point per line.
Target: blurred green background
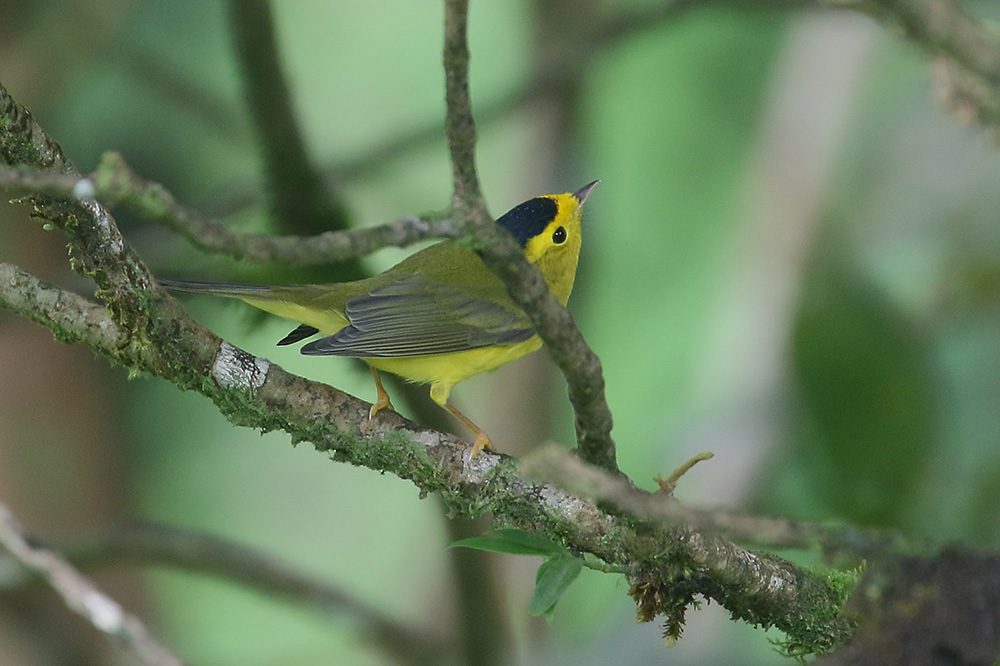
793	260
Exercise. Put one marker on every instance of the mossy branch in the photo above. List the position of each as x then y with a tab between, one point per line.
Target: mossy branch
253	392
146	330
142	328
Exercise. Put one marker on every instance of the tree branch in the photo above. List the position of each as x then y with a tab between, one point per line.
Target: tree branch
81	596
113	183
299	198
460	126
553	465
255	393
210	555
502	255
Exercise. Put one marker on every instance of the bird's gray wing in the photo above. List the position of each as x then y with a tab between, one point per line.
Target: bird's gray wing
414	316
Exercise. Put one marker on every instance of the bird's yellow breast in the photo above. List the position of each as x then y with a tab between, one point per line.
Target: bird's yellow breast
443	371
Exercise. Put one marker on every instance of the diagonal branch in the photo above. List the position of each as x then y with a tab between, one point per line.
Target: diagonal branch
253	392
81	596
210	555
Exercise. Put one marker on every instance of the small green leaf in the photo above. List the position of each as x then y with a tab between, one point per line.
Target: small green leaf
552	579
514	542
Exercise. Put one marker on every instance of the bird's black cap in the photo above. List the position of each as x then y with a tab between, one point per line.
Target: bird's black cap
529	219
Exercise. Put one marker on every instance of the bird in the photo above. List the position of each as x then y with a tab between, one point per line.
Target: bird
437	317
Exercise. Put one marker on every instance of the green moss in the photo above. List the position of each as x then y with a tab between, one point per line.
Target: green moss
826	628
63	334
843	582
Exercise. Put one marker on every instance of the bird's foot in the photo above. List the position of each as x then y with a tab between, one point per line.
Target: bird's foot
382	399
381	403
482	442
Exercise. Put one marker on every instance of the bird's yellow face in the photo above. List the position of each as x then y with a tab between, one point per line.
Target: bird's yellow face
556	250
548	229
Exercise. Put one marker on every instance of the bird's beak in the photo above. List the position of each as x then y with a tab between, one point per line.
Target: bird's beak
582	193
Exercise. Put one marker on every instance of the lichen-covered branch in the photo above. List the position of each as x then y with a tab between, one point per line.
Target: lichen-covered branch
255	393
555	466
81	595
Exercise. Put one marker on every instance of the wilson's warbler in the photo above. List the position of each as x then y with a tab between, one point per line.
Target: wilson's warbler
437	317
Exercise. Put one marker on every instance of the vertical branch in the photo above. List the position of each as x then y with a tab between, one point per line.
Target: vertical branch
484	628
503	256
299	198
459	123
485	638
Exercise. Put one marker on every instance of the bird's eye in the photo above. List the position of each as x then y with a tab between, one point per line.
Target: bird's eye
559	235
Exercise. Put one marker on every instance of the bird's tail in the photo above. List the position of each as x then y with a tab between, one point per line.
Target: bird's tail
244	291
291	302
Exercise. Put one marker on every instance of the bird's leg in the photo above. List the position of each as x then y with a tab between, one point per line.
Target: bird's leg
482	439
382	401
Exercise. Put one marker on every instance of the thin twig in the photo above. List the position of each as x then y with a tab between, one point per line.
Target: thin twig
81	596
113	183
669	484
210	555
460	126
